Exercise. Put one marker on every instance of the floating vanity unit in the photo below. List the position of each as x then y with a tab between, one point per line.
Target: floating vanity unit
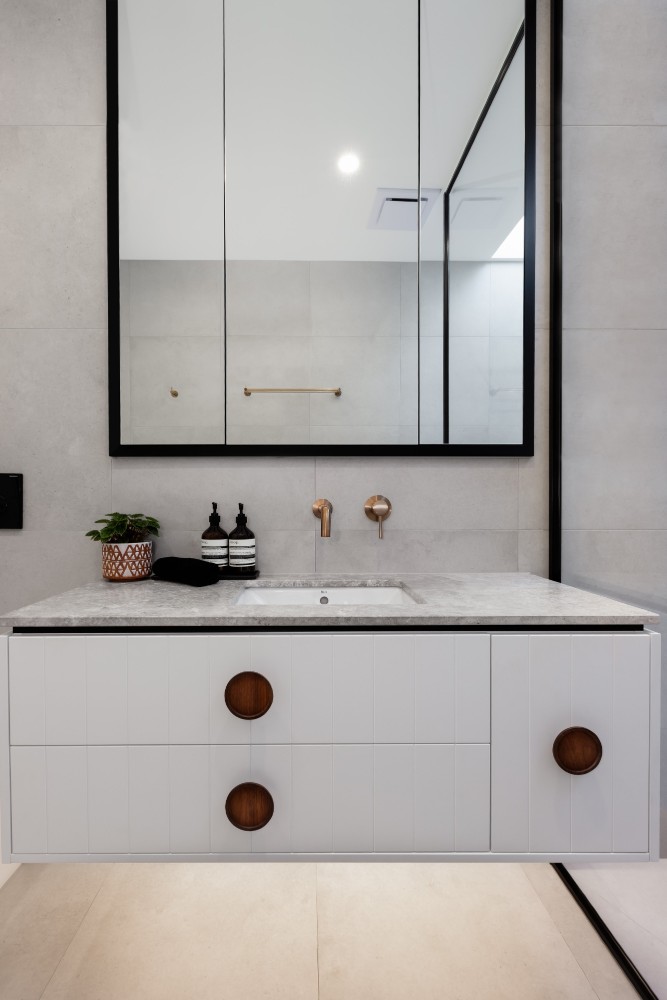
473	717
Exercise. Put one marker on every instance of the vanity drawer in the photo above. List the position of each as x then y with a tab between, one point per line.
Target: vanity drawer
160	800
326	688
542	686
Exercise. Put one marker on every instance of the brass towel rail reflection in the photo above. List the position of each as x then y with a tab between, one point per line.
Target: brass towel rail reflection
337	391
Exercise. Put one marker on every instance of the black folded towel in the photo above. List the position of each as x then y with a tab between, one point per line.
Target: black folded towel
194	572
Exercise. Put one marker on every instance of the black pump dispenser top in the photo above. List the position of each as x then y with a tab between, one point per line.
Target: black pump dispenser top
241	519
214	518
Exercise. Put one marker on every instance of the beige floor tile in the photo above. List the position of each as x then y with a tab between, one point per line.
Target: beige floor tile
602	971
440	932
41	909
196	932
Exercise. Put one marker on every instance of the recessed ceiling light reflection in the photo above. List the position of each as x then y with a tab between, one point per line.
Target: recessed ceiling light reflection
349	163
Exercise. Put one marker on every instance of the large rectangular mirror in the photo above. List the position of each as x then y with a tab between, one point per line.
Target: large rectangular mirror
321	227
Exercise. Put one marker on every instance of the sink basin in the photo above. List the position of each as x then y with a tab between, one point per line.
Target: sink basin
324	595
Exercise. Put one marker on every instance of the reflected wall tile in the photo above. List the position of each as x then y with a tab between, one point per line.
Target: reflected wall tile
409	301
52	426
355	299
268	298
175	298
268	362
52	60
278	492
614	57
368	370
431	381
542	226
534	471
431	291
467	492
408	410
469	299
506	298
614	429
613	230
469	381
505	364
461	433
346	434
52	215
192	366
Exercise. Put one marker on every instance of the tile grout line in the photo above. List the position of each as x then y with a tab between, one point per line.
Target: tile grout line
76	932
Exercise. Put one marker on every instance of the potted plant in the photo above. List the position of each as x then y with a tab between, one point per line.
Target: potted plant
126	548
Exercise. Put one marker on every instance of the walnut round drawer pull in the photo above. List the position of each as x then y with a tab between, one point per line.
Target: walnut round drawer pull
249	806
577	750
248	695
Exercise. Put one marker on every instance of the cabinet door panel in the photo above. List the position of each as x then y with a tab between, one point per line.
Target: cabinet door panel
394	676
393	798
228	655
353	798
28	799
271	655
27	693
435	688
230	766
473	688
434	798
149	799
189	689
312	688
353	689
312	793
106	689
67	800
631	751
108	819
189	797
510	743
271	766
592	707
148	689
472	805
65	687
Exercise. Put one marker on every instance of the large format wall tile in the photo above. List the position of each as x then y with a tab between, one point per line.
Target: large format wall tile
52	427
614	62
38	564
52	61
53	219
614	229
629	564
425	492
614	429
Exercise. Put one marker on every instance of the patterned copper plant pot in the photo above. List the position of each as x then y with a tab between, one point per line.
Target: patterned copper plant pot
126	560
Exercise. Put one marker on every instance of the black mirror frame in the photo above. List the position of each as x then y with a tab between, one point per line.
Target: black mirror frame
526	448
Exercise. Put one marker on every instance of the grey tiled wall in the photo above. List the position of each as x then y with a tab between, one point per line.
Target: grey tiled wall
615	303
456	514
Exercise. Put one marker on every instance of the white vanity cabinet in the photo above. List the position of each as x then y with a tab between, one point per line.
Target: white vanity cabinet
376	744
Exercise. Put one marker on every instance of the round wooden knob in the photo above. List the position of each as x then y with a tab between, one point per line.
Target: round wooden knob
577	750
248	695
249	806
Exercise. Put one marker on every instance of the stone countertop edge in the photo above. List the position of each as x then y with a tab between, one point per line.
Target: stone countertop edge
453	599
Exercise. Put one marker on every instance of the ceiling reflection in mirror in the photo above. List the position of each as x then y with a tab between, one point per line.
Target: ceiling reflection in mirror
290	177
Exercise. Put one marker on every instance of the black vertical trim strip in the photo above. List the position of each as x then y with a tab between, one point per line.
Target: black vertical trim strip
556	294
613	946
113	262
530	141
445	327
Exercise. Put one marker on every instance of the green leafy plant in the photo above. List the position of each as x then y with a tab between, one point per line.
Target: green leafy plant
124	528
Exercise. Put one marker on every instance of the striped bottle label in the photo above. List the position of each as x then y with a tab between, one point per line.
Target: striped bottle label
242	552
214	550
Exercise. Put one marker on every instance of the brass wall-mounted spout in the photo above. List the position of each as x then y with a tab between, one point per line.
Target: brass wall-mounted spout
323	509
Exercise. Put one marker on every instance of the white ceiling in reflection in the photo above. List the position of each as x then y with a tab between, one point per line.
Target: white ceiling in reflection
306	80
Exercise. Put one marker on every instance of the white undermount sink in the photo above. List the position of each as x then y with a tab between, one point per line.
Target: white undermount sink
324	595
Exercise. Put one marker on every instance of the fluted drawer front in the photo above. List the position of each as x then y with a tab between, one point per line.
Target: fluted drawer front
304	689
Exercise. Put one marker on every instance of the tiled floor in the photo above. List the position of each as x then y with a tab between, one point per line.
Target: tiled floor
299	932
632	901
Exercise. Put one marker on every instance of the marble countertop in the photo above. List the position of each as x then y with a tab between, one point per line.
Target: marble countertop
448	599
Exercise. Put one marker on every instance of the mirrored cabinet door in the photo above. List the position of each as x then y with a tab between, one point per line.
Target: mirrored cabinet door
318	226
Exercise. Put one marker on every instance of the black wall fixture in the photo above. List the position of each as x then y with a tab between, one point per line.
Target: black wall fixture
11	500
